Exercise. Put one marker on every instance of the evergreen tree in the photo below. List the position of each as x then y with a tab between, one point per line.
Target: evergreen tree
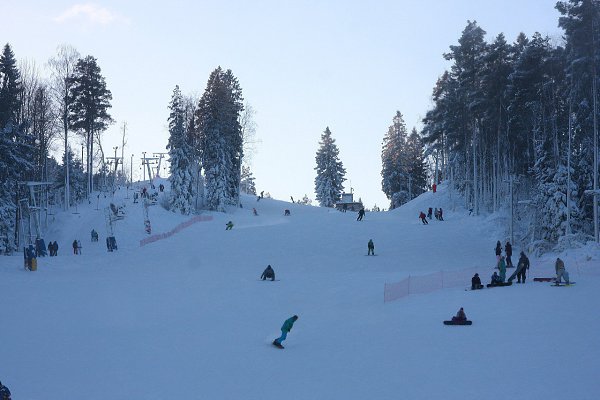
417	167
395	164
330	171
181	158
89	101
220	142
10	88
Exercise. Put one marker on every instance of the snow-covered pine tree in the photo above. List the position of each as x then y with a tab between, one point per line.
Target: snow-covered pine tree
182	194
220	138
394	160
417	167
247	184
330	171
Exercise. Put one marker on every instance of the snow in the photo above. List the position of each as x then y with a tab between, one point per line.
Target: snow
187	317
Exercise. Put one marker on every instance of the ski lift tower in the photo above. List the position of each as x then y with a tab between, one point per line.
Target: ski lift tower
158	156
31	210
147	162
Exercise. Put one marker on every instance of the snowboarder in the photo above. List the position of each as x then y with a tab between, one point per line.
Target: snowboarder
495	279
498	250
502	268
268	273
476	282
255	212
522	267
440	214
561	272
4	392
371	248
460	316
423	219
285	329
229	226
429	212
286	213
361	214
508	251
94	235
75	247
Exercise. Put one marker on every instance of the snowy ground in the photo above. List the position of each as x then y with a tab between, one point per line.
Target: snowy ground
188	318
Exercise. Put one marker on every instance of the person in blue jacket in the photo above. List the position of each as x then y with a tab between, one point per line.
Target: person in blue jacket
285	328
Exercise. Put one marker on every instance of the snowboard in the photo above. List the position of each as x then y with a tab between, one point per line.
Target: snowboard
370	255
269	280
482	287
544	279
278	345
499	284
563	284
458	322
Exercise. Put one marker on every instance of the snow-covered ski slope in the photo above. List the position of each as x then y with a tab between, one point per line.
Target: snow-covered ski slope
188	318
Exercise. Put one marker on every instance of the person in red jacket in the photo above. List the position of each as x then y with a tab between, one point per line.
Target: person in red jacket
423	219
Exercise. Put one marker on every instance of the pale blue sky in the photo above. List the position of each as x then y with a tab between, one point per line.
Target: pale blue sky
303	65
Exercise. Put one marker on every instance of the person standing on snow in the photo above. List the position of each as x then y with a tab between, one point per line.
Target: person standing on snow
502	268
508	251
561	272
522	268
440	214
75	247
285	329
371	248
429	212
498	250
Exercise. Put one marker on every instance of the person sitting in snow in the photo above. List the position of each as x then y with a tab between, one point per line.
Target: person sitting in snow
268	273
229	226
460	316
496	279
476	282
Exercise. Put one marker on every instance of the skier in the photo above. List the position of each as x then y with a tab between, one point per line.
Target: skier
423	219
429	212
495	279
285	329
508	251
370	247
561	272
498	250
502	267
476	282
228	226
460	316
440	214
4	392
75	247
361	214
255	212
268	273
522	267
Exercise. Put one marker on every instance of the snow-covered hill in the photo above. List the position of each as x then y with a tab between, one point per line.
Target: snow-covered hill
188	318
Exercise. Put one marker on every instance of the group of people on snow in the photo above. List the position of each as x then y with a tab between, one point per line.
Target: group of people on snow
438	215
53	249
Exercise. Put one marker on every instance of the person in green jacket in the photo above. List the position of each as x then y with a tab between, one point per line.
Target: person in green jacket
229	226
285	328
502	268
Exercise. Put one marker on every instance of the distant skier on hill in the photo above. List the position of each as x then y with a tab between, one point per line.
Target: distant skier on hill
285	329
229	226
361	214
429	212
370	247
255	212
268	273
423	219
